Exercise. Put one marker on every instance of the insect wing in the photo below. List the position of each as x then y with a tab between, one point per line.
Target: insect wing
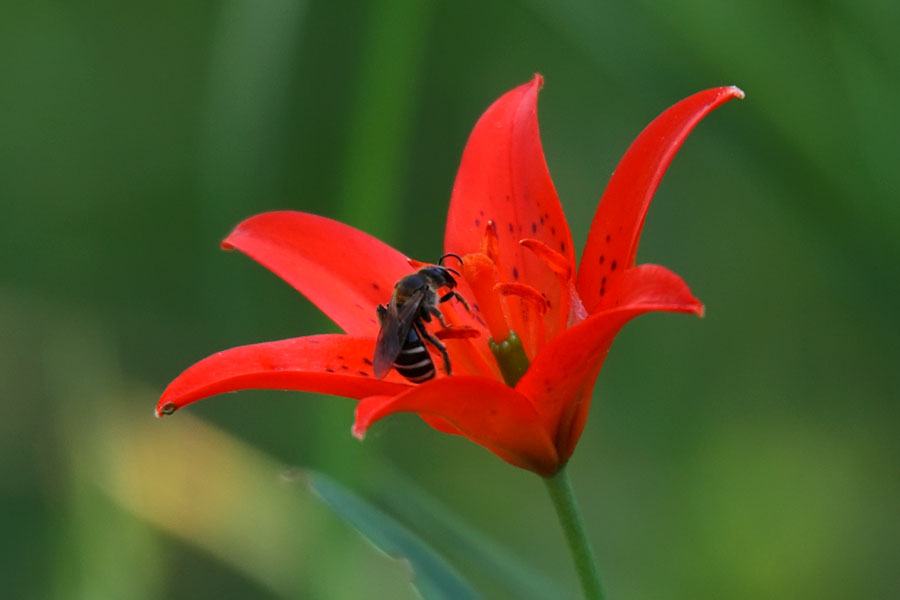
395	326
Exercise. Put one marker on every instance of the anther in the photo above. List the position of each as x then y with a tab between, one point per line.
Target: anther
557	262
481	275
526	292
490	244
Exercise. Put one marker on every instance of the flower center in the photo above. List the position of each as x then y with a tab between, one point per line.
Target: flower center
510	358
509	309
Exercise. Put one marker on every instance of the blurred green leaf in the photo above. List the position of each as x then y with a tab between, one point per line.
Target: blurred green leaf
434	577
424	514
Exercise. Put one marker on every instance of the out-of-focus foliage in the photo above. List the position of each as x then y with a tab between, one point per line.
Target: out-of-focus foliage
749	454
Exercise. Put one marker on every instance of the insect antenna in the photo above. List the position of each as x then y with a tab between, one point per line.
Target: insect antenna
449	254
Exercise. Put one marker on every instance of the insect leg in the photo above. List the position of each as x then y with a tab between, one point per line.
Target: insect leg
434	311
381	310
420	328
458	296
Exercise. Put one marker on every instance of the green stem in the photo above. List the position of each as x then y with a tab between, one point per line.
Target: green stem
560	489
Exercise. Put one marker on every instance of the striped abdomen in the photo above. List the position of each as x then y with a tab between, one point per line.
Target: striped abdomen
414	362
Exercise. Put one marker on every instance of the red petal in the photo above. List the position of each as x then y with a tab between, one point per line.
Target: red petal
613	239
504	178
327	364
483	410
342	270
559	382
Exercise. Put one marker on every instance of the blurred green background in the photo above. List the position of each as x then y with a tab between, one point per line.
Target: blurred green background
751	454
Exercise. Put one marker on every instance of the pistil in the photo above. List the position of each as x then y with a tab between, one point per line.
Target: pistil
511	358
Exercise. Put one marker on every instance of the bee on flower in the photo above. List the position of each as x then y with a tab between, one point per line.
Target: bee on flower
525	357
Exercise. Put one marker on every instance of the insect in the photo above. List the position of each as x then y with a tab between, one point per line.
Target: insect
401	340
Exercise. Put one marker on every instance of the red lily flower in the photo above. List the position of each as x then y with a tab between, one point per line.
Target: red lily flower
518	273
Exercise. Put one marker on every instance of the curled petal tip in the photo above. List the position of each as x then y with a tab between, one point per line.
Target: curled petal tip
538	80
736	92
226	245
700	311
358	431
164	409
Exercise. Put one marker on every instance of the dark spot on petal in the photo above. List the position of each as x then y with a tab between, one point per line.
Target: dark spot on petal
313	341
603	280
508	198
373	321
375	286
367	361
510	227
475	307
363	373
602	258
345	367
552	230
608	238
329	370
340	357
516	273
477	222
562	247
602	291
481	212
534	228
612	267
542	220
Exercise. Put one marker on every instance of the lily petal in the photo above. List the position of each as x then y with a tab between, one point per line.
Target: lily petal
613	239
483	410
326	364
342	270
503	178
560	380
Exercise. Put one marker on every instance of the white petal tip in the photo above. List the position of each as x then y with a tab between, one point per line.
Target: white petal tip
737	92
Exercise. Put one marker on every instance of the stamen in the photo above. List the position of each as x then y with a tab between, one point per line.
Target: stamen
533	306
461	332
490	244
481	275
558	263
565	295
523	291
